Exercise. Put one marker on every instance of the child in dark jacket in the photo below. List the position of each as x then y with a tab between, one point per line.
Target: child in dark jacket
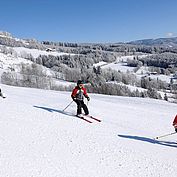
1	94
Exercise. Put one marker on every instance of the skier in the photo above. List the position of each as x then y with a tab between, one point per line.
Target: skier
78	94
175	123
1	94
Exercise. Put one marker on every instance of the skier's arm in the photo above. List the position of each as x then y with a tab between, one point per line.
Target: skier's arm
175	126
175	123
73	95
86	94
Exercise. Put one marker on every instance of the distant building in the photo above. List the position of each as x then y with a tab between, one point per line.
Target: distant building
49	50
152	73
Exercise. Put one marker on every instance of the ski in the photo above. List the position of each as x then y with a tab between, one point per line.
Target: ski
94	118
82	117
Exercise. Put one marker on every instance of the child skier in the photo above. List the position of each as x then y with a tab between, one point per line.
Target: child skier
1	94
175	123
78	94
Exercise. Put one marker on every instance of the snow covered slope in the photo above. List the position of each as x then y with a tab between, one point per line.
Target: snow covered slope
35	52
38	140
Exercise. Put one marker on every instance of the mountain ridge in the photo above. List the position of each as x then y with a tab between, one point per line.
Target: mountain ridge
158	41
148	41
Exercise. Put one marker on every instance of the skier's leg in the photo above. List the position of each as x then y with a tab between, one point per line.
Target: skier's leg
79	107
85	108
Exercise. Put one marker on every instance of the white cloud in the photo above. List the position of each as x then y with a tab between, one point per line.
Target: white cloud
170	34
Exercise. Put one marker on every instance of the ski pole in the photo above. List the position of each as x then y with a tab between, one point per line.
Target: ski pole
165	135
67	106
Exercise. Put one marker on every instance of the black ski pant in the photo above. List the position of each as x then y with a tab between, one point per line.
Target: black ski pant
80	105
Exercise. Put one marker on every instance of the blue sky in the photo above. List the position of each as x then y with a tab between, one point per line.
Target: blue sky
89	20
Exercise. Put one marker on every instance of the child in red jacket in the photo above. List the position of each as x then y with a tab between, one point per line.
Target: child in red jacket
175	123
78	94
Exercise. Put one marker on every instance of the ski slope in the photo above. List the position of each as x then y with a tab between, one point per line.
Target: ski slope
38	140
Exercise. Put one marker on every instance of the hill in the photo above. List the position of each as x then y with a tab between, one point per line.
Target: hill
160	41
38	139
106	68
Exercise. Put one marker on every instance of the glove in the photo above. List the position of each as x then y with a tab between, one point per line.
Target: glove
175	129
88	99
74	98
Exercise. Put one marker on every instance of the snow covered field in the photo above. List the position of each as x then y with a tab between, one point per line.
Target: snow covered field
37	139
35	52
121	65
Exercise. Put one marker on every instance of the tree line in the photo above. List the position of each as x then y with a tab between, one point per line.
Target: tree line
80	66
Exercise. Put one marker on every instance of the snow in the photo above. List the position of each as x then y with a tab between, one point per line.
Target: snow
37	139
118	67
121	63
64	83
5	34
101	63
131	87
35	52
162	77
9	61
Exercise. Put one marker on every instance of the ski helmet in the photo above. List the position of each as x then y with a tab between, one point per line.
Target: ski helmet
79	82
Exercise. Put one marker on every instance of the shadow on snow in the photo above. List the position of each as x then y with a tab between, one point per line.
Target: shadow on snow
54	110
150	140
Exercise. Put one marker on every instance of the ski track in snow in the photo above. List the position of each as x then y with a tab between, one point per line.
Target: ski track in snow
38	140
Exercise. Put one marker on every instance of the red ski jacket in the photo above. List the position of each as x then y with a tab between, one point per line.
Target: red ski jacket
78	93
175	122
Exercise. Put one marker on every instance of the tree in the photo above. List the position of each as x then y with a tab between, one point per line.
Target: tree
152	93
